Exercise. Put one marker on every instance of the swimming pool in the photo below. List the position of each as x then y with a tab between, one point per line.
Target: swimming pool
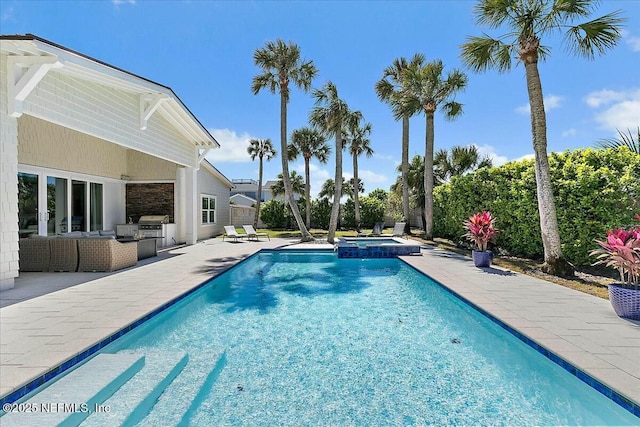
289	338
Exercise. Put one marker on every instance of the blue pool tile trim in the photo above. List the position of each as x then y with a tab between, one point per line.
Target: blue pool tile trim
61	369
352	250
622	401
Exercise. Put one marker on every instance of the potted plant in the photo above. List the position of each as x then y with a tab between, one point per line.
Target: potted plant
621	251
480	230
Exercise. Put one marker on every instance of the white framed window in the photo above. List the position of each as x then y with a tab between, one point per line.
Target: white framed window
208	209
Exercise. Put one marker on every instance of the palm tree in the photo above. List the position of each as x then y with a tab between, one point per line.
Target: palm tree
309	143
415	180
297	185
425	90
358	141
624	140
526	22
389	89
328	189
331	115
281	64
260	148
458	162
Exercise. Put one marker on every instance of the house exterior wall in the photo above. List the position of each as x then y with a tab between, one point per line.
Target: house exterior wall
107	113
8	188
49	145
142	167
210	185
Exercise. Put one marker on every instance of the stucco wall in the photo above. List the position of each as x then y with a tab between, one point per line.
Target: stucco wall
212	186
49	145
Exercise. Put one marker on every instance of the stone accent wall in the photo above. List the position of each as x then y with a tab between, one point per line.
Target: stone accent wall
49	145
150	199
8	189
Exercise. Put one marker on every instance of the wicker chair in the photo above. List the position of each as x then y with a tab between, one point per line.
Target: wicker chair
35	254
106	254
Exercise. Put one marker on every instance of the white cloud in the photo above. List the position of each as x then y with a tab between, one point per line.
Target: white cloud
604	97
525	157
369	177
551	102
233	147
619	109
569	132
119	2
490	151
625	115
632	41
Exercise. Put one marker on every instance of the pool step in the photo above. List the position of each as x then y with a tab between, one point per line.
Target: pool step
178	403
69	400
133	401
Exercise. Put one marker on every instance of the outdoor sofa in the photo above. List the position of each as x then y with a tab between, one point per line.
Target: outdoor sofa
77	251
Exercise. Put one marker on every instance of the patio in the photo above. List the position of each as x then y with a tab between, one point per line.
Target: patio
40	333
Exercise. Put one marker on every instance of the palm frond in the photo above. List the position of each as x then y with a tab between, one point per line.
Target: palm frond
482	53
630	141
597	35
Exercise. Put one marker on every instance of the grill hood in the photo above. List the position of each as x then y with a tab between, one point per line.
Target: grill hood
153	219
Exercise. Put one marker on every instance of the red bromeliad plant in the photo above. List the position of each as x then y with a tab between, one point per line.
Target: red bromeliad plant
621	251
480	229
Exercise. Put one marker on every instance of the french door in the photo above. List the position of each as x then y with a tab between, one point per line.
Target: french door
50	204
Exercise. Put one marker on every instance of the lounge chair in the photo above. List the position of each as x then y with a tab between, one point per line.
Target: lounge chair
377	230
398	229
252	233
230	231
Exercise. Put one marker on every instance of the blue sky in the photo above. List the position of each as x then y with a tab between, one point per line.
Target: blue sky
203	50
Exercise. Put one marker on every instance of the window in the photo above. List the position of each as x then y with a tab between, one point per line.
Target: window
208	209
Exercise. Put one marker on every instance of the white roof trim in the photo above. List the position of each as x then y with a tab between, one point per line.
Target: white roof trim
81	66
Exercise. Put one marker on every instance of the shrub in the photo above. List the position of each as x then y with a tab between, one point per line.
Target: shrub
371	211
595	190
274	214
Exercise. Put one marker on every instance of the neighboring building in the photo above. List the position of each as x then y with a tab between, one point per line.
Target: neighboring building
249	188
85	145
242	200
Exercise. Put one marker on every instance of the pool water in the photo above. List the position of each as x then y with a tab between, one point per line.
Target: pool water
365	241
311	339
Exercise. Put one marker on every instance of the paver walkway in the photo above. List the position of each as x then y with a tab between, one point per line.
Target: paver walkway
39	334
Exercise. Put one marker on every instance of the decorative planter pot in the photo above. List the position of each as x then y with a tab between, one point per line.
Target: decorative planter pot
625	302
482	258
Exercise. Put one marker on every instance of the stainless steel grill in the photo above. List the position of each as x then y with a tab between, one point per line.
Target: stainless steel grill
152	222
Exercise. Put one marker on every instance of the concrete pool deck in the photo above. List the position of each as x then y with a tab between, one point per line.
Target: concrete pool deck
41	333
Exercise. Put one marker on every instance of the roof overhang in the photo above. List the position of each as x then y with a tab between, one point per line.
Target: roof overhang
31	57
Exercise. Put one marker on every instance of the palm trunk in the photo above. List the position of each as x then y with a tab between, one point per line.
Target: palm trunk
356	187
554	262
288	193
257	215
335	209
307	190
428	176
405	173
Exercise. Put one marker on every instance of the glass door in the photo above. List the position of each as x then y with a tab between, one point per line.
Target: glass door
51	205
28	215
78	206
56	205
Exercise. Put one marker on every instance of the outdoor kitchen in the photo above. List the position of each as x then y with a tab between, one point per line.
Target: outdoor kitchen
150	213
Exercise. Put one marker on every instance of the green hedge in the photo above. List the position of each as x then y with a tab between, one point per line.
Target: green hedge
595	190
